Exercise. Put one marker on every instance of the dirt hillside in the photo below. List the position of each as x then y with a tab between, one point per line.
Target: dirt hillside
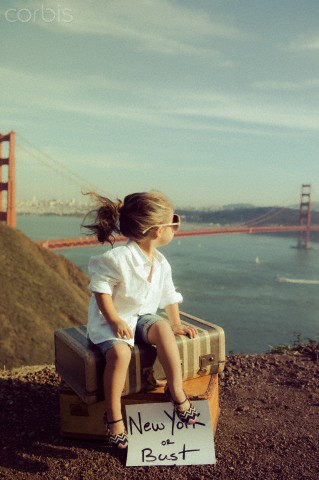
40	292
268	427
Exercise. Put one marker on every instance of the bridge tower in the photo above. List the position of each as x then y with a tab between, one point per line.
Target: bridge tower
305	216
8	185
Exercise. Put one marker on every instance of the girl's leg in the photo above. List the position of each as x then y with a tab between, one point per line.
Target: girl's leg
161	335
117	361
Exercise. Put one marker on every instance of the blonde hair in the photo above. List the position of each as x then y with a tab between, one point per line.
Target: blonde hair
130	217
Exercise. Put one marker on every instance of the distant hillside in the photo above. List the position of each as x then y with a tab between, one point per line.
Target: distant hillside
265	216
40	292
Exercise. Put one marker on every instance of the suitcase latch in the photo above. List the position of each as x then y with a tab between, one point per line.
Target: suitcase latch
204	362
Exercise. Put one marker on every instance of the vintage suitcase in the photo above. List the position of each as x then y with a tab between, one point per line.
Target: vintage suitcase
80	420
81	367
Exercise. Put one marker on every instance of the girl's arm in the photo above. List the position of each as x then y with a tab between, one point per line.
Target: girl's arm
106	306
172	312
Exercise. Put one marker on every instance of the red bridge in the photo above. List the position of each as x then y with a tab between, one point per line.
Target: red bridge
91	241
8	214
303	229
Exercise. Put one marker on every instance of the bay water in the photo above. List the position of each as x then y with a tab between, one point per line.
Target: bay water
260	289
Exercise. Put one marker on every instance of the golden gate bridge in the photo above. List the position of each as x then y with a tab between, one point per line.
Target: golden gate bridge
8	210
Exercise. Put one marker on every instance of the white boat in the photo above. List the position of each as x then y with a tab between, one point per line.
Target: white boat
280	278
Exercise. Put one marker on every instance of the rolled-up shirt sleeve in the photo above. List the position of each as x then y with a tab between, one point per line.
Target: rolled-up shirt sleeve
104	274
169	293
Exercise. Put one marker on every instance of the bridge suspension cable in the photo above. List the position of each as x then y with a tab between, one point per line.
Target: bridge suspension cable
275	211
55	165
250	226
266	216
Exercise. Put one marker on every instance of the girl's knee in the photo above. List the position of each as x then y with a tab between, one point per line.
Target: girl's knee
159	329
118	353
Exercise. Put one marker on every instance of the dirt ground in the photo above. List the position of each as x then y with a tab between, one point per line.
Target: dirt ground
268	426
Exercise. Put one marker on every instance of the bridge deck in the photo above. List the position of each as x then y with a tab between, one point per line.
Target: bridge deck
56	244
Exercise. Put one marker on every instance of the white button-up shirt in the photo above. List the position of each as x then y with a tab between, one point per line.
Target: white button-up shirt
123	272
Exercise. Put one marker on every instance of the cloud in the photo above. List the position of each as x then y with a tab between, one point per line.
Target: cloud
121	161
59	161
288	86
162	108
156	25
20	80
304	43
251	112
203	113
277	85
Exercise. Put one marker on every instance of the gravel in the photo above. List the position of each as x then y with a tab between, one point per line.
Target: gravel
268	427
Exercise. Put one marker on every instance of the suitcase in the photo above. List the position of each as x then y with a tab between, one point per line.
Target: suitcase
81	366
83	421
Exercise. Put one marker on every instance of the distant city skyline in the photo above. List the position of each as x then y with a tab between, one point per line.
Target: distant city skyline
36	205
212	102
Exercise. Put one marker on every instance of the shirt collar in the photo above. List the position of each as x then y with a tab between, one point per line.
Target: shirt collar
140	256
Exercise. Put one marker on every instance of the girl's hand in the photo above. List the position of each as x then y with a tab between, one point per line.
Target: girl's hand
106	306
187	330
122	330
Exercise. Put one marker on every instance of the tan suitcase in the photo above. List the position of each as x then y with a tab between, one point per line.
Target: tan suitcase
81	367
80	420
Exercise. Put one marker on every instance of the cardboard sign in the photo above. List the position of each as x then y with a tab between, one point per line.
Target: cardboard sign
158	437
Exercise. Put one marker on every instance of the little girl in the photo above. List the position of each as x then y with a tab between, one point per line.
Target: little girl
129	283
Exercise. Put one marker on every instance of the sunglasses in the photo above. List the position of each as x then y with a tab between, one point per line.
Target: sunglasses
176	222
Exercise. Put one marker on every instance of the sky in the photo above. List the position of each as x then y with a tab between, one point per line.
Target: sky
213	102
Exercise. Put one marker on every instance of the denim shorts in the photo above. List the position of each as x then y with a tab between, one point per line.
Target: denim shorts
144	322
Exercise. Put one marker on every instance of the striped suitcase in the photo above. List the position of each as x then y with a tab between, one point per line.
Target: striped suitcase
81	367
79	420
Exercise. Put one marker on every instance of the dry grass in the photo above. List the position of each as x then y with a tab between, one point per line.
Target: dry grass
40	292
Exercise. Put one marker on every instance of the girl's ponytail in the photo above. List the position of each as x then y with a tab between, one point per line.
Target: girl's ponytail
106	219
134	217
